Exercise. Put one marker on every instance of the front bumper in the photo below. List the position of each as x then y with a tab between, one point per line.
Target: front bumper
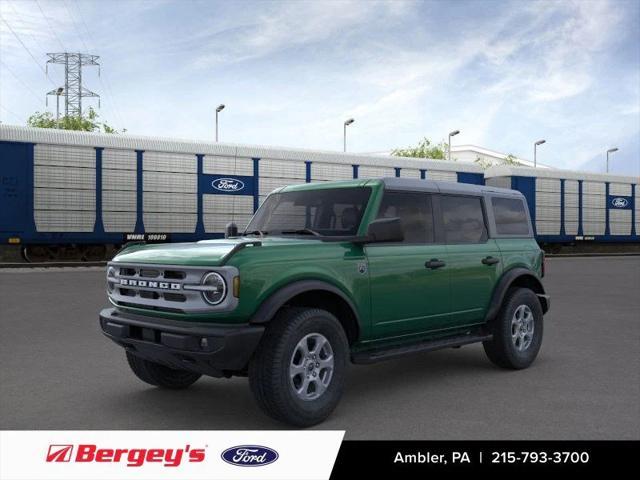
210	349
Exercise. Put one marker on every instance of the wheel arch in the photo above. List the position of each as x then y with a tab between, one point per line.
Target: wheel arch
312	293
516	277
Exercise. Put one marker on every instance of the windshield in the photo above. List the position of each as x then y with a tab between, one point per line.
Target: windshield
325	212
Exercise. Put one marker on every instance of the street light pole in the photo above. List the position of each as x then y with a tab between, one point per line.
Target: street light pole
611	150
451	134
58	93
535	152
344	133
218	110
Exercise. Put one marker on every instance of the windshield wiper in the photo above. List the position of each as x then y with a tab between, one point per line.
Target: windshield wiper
303	231
255	232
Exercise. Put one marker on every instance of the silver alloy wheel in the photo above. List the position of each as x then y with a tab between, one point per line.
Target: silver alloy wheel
522	326
311	366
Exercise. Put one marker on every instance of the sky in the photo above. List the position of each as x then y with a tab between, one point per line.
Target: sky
505	73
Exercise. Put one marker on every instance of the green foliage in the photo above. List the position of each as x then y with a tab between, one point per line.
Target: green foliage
86	123
424	149
510	159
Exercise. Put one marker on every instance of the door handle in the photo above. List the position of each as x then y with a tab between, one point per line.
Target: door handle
490	260
434	263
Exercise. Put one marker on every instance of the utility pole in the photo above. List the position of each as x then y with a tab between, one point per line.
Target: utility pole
73	90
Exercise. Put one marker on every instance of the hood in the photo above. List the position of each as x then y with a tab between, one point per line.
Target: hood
204	252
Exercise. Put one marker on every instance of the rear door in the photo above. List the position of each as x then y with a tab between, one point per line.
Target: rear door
13	186
407	297
475	263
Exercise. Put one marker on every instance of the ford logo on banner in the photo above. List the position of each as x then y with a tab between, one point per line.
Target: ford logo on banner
249	456
228	184
619	202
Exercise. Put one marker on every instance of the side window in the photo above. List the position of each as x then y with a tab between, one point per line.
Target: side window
463	219
414	211
511	218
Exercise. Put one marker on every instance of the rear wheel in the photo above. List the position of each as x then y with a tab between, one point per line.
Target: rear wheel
517	330
297	373
160	375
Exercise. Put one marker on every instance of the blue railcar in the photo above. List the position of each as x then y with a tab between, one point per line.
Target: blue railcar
569	207
65	191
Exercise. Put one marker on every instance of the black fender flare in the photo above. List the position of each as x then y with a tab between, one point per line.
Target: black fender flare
276	300
507	279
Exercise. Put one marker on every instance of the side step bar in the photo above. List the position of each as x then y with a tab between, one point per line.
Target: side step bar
380	354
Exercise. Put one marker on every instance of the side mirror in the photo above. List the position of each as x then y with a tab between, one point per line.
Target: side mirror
231	230
385	230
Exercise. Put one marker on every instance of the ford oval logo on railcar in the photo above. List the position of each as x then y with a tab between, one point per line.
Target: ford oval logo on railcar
619	202
249	455
228	184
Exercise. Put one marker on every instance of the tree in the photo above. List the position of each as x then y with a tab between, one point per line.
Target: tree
424	149
510	159
88	123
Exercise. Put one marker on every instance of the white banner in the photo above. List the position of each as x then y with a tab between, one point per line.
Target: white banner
159	455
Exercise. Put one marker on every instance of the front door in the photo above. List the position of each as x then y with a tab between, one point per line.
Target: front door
410	291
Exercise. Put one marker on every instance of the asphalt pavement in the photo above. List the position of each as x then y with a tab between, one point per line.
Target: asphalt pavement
57	371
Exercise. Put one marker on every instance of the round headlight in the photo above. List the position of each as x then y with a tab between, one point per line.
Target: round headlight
111	273
216	288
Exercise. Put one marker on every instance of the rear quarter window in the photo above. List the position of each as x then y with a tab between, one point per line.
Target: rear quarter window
510	216
463	219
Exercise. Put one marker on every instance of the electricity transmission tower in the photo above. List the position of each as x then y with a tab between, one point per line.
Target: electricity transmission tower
73	90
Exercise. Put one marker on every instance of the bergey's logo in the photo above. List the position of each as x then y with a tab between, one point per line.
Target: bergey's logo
228	184
59	453
619	202
249	455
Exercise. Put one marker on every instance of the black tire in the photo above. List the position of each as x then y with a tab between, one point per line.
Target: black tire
160	375
269	375
501	350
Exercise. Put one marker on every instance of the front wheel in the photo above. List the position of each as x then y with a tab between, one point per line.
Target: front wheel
297	373
517	330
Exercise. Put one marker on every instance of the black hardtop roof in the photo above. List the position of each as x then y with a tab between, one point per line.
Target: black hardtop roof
419	185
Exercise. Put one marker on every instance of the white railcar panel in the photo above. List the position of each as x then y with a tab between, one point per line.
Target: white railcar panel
119	179
119	159
267	185
169	182
594	188
170	222
620	222
270	168
594	201
331	171
571	186
593	228
571	228
216	222
547	199
594	214
63	199
620	189
500	182
64	156
410	173
64	177
548	213
119	221
169	162
547	185
227	204
170	202
213	164
442	175
571	200
366	171
119	201
547	227
64	221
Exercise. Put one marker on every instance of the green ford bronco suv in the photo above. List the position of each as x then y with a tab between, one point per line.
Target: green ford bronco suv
331	273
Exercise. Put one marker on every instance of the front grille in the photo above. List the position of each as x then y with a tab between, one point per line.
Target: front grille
164	288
